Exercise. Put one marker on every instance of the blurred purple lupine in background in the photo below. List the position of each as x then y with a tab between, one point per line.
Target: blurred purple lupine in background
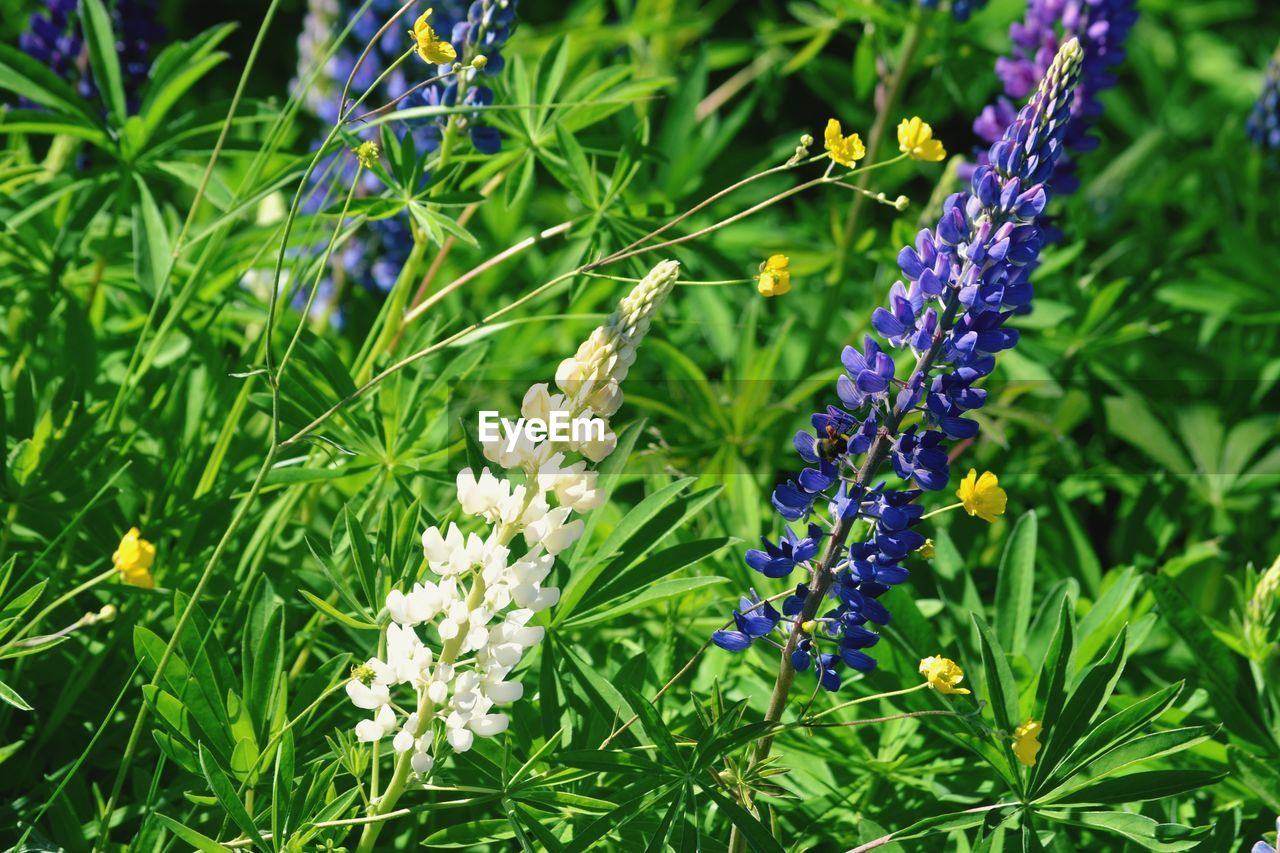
54	36
1101	27
1263	125
375	257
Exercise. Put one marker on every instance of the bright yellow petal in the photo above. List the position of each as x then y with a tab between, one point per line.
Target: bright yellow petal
439	52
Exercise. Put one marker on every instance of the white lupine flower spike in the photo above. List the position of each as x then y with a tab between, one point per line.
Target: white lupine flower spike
477	602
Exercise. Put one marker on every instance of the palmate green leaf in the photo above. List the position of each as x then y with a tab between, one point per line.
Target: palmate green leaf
100	38
1140	829
1082	704
524	823
176	70
1126	756
587	569
599	830
1114	730
1014	583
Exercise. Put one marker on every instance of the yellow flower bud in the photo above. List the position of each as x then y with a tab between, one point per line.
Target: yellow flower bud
133	559
367	154
480	61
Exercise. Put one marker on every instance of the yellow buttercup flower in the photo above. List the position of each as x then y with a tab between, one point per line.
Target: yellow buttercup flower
982	496
915	139
367	154
845	150
943	675
1026	743
430	46
925	551
775	277
133	559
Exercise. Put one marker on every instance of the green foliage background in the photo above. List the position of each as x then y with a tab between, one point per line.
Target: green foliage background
1134	428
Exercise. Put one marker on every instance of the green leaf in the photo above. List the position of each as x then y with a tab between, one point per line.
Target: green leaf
471	833
10	696
1115	729
1001	689
189	835
756	833
1082	705
101	41
1015	582
334	613
1127	755
652	594
1231	688
1140	829
33	80
152	250
227	797
1148	785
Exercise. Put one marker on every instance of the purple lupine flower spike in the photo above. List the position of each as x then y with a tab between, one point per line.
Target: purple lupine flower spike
962	281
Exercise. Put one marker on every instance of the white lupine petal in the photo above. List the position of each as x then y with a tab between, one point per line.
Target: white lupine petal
368	731
403	741
503	692
437	692
368	697
422	763
461	739
489	725
545	598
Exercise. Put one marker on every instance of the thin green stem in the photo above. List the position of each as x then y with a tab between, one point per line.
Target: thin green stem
57	602
876	138
125	385
862	699
942	509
